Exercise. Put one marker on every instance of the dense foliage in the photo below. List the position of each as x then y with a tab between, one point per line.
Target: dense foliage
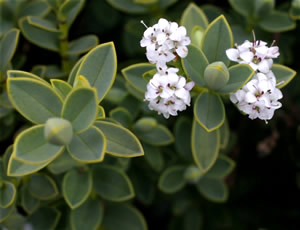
88	140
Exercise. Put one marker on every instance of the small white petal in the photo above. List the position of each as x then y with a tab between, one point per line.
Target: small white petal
232	54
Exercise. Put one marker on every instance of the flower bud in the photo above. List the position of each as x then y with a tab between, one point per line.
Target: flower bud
192	174
58	131
216	75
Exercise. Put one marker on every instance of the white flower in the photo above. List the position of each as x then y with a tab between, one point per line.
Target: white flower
259	97
256	54
165	41
168	92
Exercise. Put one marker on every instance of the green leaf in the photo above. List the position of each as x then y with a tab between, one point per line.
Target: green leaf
34	8
158	135
194	65
19	168
154	157
197	35
42	187
283	74
101	113
222	168
40	37
23	74
99	66
88	216
205	146
216	40
213	189
80	108
7	194
82	45
244	7
74	71
128	218
64	162
193	16
182	132
61	87
172	179
224	134
34	99
29	203
8	45
120	141
209	111
88	146
121	115
31	147
69	10
134	75
120	190
129	6
44	218
42	24
277	21
216	75
6	212
78	180
239	75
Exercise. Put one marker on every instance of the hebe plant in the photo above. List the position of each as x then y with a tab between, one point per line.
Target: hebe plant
89	149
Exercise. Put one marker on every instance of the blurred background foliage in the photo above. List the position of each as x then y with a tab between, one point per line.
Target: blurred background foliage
265	185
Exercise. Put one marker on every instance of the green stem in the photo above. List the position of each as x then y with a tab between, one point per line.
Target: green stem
63	46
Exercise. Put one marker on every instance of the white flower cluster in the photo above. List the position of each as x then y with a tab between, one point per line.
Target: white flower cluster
259	97
167	92
165	41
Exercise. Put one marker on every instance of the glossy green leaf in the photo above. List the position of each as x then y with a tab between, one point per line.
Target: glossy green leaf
40	37
154	157
283	74
81	81
216	40
44	218
99	66
172	179
158	135
88	146
277	21
121	115
29	203
213	189
129	6
194	65
88	216
182	132
42	24
193	16
31	147
120	141
42	187
8	45
69	10
120	190
7	194
61	87
224	134
6	212
134	75
23	74
128	218
35	100
78	180
205	146
135	92
62	163
82	44
74	71
209	111
80	108
222	168
239	75
19	168
34	8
